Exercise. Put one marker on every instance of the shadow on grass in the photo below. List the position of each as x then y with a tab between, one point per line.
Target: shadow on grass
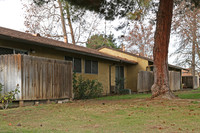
121	97
192	94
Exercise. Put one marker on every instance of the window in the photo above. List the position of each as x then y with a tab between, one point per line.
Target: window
20	52
119	76
6	51
11	51
91	67
68	58
76	63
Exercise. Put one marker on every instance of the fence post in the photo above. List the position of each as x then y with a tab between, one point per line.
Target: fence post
21	103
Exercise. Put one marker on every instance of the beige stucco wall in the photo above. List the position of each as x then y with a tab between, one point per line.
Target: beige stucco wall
102	76
119	54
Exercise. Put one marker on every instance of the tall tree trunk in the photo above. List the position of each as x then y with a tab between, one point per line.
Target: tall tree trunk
63	22
194	43
160	87
69	22
193	64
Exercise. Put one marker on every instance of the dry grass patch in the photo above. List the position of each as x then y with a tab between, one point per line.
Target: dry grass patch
127	115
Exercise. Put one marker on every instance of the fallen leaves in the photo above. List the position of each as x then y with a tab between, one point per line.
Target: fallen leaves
172	109
19	125
172	124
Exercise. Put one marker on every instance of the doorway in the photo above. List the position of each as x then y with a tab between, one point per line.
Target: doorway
119	77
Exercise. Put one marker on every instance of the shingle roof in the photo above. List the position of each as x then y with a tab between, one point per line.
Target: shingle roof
10	34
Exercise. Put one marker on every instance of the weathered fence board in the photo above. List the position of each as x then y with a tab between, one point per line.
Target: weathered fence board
174	80
10	73
188	81
38	78
146	80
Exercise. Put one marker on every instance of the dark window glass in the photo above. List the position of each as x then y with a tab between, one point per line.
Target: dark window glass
151	68
121	71
119	76
20	52
76	62
77	65
91	67
87	66
94	67
6	51
68	58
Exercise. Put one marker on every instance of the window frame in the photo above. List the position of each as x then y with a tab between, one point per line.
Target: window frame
26	52
73	64
19	50
92	66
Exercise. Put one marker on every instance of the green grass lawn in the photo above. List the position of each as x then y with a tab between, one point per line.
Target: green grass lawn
113	114
189	94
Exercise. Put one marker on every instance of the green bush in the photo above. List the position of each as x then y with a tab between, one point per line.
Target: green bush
119	82
7	98
85	88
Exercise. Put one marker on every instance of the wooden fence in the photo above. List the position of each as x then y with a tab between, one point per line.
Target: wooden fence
174	80
146	80
38	78
188	81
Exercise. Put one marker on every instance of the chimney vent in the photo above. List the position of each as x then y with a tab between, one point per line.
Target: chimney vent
65	39
122	47
37	34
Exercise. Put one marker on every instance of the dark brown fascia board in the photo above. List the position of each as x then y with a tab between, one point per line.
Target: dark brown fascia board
60	48
177	67
173	66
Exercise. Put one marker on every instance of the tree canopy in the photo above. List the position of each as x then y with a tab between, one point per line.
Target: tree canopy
112	8
97	41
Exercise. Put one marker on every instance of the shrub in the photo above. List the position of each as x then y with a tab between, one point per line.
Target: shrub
8	97
119	82
85	88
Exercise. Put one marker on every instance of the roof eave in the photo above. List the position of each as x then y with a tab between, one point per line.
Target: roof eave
63	49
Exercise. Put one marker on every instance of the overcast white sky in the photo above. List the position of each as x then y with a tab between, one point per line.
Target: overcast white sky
12	16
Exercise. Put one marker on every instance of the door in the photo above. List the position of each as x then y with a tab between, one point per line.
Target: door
119	77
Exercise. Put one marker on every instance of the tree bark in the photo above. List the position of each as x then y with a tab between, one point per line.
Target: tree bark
193	65
160	87
69	22
194	43
63	22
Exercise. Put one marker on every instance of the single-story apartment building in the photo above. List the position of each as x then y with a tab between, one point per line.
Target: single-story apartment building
105	64
143	64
